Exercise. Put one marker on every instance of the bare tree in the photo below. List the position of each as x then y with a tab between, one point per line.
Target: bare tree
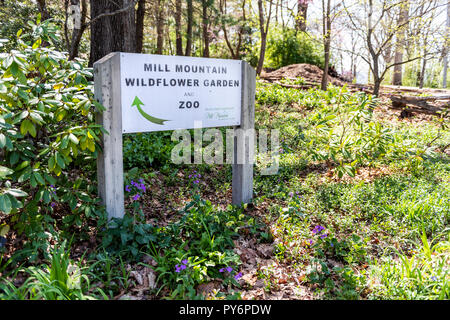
227	23
326	33
368	19
446	45
329	13
400	43
264	29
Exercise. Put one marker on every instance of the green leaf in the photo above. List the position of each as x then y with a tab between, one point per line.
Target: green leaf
17	193
73	138
36	117
5	204
60	161
27	126
4	171
4	230
23	165
39	178
14	158
14	68
2	140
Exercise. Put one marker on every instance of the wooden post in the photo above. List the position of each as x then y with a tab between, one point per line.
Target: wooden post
110	159
242	184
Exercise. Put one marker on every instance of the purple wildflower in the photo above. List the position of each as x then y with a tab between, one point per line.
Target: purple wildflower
127	188
196	182
318	229
310	241
323	236
52	204
434	278
185	261
238	276
222	270
182	267
229	269
136	196
177	268
291	194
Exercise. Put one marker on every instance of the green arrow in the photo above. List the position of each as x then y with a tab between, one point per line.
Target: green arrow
137	102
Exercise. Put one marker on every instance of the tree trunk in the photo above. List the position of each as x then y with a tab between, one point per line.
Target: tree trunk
140	15
79	27
111	33
302	11
327	41
190	22
422	72
179	40
376	87
262	50
205	28
160	27
43	10
262	53
263	30
398	57
446	45
324	83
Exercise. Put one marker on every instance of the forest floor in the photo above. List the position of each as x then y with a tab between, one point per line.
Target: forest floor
286	267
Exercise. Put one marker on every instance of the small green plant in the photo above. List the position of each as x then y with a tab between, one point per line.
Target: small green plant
61	280
128	235
424	275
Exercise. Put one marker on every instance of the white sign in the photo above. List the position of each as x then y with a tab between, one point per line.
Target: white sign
172	92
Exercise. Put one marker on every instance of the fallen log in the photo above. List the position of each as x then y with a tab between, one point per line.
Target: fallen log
417	104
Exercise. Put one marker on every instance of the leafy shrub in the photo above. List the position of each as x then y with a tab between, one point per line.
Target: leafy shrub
128	235
286	46
346	141
46	130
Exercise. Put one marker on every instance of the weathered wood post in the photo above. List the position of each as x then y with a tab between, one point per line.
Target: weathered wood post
107	90
244	140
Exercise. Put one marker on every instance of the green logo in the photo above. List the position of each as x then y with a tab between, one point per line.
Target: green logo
138	103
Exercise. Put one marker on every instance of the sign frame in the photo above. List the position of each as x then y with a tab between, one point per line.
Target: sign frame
108	91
